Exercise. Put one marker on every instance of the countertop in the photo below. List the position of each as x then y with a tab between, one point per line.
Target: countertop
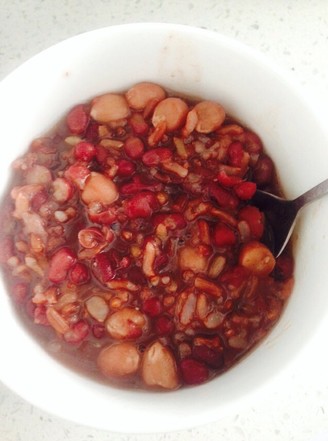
292	33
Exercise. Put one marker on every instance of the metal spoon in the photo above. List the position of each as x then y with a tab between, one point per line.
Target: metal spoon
281	214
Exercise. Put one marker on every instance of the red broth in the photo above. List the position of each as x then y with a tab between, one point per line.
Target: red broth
130	246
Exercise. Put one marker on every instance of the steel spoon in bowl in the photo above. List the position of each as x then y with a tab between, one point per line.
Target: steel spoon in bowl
281	214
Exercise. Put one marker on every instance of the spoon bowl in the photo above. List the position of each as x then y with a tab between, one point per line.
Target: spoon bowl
281	214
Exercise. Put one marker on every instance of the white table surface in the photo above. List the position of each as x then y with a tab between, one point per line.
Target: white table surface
294	33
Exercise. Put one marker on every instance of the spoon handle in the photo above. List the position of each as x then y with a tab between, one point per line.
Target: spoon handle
311	195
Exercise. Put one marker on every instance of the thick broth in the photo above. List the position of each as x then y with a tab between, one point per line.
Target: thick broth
130	245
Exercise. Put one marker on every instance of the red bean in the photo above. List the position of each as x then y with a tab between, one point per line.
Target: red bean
253	143
255	220
134	147
79	274
77	120
61	262
85	151
102	154
245	190
235	154
98	330
193	371
211	357
125	168
141	205
224	236
152	306
263	171
103	267
228	181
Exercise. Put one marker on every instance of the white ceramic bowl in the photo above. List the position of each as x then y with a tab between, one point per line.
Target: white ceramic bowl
198	63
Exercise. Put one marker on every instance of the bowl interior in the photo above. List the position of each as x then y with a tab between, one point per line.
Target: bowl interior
200	64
